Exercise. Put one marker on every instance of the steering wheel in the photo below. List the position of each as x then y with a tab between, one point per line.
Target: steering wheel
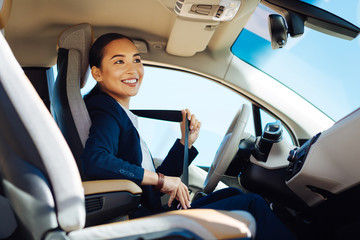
227	149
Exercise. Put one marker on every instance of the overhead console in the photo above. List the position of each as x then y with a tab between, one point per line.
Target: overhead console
196	22
216	10
328	164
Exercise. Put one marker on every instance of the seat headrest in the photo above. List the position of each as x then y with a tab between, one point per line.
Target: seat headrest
5	8
79	37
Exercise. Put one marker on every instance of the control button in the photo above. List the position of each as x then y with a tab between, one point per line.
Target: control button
201	9
202	6
202	12
292	155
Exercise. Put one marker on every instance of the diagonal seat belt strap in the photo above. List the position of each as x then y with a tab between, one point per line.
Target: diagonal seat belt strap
185	175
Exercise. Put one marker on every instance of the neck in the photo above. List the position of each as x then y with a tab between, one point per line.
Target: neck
124	102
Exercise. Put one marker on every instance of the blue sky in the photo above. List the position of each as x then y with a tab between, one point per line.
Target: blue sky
321	68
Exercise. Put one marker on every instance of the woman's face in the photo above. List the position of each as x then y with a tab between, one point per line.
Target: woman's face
121	71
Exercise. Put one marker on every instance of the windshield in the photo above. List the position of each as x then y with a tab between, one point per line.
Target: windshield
322	69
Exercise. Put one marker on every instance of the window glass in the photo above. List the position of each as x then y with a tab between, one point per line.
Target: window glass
213	104
322	69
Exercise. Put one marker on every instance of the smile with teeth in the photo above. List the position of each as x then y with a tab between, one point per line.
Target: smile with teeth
130	81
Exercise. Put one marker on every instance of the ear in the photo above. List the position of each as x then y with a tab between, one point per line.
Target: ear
96	73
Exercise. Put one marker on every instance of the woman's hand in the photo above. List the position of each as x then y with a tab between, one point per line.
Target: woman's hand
172	186
194	127
177	190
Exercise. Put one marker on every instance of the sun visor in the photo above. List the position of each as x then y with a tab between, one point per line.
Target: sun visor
188	37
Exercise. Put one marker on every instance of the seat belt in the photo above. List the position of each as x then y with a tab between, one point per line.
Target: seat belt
171	116
185	175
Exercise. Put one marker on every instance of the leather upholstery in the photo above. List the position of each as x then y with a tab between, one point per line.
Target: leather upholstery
205	223
68	106
96	187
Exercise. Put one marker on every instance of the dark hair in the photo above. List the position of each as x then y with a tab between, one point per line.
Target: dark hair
96	53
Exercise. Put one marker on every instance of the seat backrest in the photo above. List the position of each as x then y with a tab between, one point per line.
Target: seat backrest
38	171
7	219
68	107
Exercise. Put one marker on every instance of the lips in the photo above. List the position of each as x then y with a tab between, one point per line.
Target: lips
130	81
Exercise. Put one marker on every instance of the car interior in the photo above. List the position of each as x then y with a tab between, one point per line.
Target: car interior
311	183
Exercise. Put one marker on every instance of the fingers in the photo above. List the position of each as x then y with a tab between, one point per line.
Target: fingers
177	190
186	197
194	122
171	198
185	112
194	127
183	197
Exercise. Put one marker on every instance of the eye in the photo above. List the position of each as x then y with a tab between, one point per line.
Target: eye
119	62
137	60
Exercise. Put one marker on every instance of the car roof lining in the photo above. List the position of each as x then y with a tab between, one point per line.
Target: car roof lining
33	39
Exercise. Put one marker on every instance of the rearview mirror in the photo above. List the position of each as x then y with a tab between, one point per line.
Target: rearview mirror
278	31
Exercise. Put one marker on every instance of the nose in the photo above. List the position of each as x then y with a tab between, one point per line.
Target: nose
131	68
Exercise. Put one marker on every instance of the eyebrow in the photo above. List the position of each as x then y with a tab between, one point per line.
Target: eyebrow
121	55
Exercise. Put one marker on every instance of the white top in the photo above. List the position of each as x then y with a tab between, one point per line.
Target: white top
147	161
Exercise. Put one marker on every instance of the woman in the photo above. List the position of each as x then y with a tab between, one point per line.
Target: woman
115	149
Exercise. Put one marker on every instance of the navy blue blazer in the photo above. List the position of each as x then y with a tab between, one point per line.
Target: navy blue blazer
113	150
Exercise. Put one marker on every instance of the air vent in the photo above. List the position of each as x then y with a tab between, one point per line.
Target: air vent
178	6
94	204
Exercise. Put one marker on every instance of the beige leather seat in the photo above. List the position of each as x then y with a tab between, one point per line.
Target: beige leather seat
43	185
68	107
104	200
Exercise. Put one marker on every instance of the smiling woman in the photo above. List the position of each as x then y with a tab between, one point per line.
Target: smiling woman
118	75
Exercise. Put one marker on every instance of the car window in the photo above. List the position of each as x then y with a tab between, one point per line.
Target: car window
213	104
322	69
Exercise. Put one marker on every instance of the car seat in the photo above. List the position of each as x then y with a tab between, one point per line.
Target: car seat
104	199
68	107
